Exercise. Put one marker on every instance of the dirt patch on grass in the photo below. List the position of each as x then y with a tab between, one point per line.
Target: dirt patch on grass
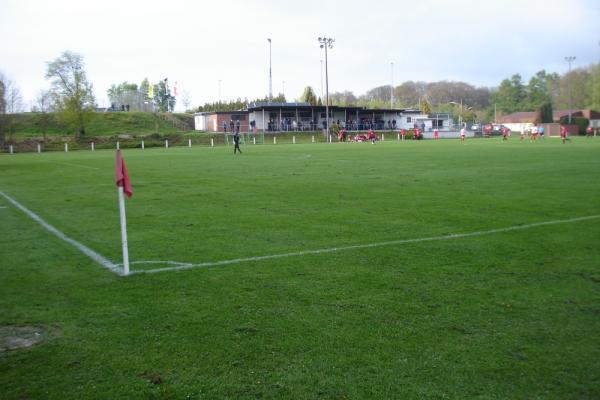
22	337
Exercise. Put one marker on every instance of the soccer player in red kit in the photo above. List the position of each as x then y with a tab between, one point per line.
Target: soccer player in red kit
563	133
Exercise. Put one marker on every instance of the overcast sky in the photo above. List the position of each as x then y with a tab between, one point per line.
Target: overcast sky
198	43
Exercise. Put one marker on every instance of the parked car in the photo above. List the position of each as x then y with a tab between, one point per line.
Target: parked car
476	127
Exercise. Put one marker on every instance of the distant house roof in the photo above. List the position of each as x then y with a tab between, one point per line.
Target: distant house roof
265	104
307	106
587	113
526	117
523	117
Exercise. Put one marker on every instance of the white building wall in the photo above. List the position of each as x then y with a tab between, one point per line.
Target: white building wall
257	116
516	127
201	122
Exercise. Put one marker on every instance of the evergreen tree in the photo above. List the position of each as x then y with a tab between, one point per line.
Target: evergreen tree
545	113
424	106
308	96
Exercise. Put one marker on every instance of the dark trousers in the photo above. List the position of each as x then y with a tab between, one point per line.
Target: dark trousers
237	148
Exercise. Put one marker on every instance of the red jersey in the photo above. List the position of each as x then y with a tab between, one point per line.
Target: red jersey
563	131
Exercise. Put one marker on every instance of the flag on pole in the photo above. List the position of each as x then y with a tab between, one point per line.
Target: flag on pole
151	91
121	176
124	187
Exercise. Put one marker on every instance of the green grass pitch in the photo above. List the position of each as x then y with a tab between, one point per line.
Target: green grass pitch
511	314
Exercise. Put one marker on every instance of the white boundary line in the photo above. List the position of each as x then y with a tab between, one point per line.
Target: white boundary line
84	249
178	266
116	268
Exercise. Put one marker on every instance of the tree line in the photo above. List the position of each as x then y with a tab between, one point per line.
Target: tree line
71	95
580	88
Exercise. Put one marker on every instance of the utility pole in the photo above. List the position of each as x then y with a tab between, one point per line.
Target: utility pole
219	92
270	74
324	44
321	79
569	59
392	88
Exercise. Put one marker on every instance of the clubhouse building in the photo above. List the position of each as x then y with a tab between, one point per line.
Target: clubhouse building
278	117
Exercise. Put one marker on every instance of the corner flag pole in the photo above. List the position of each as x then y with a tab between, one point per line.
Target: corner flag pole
123	187
123	231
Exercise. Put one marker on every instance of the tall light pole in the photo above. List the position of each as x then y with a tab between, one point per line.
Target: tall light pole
392	87
219	91
270	75
167	93
321	78
569	59
460	115
326	43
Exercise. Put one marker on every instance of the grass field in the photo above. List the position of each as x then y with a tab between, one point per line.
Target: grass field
506	314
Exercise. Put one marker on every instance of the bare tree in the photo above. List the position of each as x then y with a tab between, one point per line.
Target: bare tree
11	99
42	106
11	102
43	102
186	100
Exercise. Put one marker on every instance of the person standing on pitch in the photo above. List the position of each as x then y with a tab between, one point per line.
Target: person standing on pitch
589	131
563	133
236	142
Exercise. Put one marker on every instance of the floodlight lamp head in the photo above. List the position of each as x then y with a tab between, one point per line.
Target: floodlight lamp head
320	38
321	46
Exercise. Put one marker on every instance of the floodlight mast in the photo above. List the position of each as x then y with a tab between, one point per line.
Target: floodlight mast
569	59
270	75
392	87
325	43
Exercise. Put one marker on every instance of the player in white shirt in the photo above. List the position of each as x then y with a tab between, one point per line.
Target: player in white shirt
534	133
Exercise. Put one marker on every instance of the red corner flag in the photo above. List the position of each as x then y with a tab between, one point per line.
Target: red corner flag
121	177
